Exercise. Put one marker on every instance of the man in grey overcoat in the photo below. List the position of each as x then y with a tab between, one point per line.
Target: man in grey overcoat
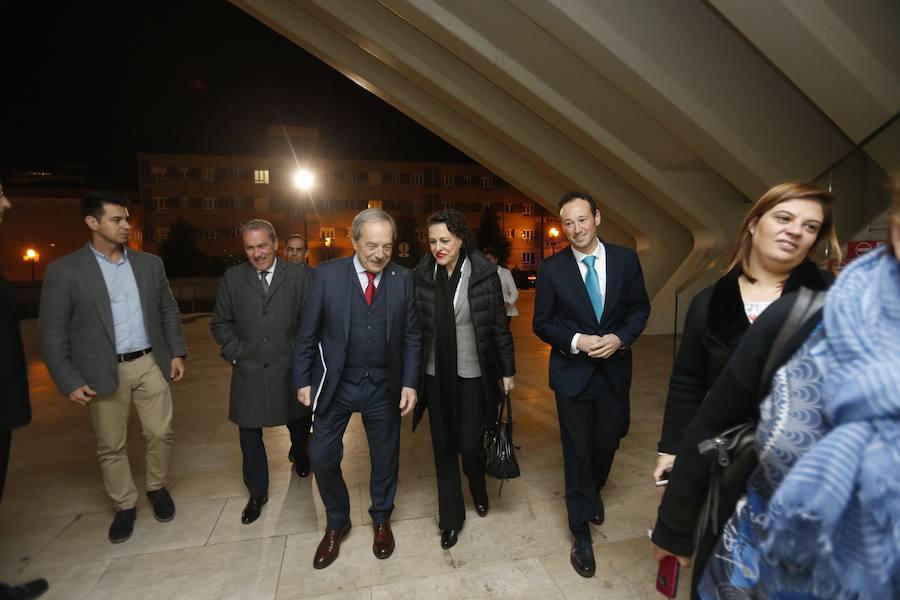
111	337
257	311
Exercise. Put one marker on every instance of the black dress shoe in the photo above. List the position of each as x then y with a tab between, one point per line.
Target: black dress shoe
122	525
600	515
163	506
24	591
582	558
253	508
482	508
301	464
449	537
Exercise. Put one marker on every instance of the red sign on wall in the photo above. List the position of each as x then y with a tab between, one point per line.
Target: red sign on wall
858	248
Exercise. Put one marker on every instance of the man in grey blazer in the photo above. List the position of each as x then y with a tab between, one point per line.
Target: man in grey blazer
257	310
111	336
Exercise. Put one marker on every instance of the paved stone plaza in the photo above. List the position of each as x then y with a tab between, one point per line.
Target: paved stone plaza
55	513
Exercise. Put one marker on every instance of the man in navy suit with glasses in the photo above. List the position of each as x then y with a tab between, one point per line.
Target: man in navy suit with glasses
590	306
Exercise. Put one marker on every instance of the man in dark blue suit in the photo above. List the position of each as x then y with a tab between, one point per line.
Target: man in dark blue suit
358	349
590	306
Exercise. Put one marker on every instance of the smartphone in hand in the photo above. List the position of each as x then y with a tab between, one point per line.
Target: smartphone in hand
667	576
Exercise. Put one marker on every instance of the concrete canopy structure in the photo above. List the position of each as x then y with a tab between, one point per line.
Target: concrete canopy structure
672	114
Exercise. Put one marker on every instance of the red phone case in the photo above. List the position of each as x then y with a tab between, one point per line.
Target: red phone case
667	576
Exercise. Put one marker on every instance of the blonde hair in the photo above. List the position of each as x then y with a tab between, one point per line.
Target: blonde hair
792	190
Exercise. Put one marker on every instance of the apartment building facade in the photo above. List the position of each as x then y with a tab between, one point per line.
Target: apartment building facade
216	194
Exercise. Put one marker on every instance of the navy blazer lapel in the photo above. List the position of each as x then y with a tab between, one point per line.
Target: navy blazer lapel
613	275
573	275
93	277
346	298
388	281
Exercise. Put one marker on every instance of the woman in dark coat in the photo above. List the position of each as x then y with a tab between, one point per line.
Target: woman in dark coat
468	362
820	514
771	257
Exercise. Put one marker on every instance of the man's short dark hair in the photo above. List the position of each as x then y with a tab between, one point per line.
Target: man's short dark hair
297	236
576	195
92	204
455	222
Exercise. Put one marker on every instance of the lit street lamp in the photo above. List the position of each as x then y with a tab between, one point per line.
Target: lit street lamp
554	234
31	256
304	180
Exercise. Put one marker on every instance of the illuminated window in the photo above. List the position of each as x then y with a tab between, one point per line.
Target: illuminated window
326	232
487	182
160	204
528	258
159	173
208	174
510	233
209	204
528	209
417	179
261	176
527	235
447	180
376	204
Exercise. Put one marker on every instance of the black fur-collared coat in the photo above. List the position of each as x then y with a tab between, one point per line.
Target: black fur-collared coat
714	325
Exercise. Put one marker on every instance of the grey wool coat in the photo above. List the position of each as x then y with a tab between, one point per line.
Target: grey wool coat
78	338
255	332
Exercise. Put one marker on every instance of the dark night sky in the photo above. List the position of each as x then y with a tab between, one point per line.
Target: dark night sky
95	83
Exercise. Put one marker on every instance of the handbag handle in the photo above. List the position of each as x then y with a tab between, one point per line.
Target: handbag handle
506	404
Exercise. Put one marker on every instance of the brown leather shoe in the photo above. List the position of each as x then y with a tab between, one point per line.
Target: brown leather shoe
330	546
383	544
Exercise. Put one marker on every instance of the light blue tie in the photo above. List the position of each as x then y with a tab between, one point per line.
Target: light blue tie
592	283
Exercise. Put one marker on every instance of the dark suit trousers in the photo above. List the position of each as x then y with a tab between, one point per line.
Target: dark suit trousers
589	445
256	464
381	419
467	441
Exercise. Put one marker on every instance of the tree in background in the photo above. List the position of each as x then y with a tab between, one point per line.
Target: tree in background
490	234
179	251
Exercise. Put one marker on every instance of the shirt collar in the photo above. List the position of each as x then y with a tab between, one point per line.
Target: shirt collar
99	254
579	256
359	268
272	268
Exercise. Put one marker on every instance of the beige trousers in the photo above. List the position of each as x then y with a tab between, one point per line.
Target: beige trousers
141	382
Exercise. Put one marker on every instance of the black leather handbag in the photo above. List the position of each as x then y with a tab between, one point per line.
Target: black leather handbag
501	455
734	450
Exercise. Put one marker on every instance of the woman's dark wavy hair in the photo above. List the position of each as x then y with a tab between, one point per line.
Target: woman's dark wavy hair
455	223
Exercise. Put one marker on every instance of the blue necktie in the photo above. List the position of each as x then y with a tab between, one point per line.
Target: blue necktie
592	283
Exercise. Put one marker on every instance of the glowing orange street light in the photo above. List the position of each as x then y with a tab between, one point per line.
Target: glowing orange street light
31	256
554	233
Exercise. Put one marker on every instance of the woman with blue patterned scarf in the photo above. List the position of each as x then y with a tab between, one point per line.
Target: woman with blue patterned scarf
821	513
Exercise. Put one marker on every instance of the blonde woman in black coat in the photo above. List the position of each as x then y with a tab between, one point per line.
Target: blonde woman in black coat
771	257
469	362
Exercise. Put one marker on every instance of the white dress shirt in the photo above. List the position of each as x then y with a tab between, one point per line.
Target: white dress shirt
270	273
600	268
361	274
